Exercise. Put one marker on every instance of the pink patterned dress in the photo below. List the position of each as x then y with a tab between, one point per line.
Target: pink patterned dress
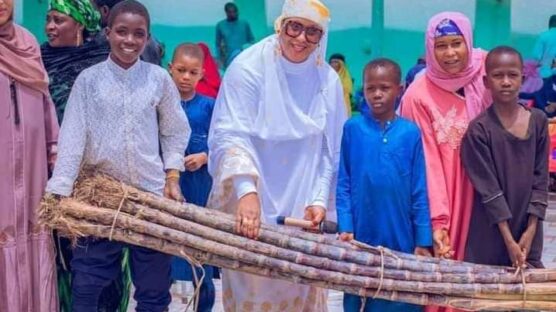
442	118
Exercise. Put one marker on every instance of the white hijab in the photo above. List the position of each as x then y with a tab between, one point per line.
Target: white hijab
278	119
275	117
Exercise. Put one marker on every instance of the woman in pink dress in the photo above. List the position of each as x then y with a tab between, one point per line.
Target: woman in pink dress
442	103
28	131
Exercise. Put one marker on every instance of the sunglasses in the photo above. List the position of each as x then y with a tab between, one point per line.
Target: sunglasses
312	33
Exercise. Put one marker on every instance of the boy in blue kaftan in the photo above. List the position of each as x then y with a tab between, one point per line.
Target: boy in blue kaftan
382	193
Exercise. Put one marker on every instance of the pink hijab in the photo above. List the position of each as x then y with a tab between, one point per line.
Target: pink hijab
477	97
20	57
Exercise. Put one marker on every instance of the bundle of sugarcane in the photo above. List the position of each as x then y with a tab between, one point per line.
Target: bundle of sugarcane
104	207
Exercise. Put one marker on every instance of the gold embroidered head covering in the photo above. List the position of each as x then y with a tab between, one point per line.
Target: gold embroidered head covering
312	10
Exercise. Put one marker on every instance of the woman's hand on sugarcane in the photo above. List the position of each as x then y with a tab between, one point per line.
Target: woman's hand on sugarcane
346	237
315	214
248	215
172	187
441	244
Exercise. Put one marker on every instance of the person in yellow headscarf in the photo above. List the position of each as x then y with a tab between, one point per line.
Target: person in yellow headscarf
274	146
338	62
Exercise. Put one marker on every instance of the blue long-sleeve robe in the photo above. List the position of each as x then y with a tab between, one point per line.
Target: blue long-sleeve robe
196	185
382	192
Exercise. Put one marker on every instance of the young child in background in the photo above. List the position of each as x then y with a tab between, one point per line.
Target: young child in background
382	192
505	154
187	70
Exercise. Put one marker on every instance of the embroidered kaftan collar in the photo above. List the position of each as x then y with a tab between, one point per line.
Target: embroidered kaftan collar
122	72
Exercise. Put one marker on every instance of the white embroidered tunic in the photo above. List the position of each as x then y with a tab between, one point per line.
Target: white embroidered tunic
277	126
122	121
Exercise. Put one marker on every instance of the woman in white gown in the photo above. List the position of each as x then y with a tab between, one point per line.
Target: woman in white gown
274	145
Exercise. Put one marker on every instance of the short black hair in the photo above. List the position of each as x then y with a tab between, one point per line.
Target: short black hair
230	5
109	3
552	21
385	63
189	49
499	50
129	6
337	56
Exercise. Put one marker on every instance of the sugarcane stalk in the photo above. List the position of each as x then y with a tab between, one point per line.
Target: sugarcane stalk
165	219
90	180
107	217
81	228
105	191
186	226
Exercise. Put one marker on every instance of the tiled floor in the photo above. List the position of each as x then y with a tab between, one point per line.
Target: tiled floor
335	298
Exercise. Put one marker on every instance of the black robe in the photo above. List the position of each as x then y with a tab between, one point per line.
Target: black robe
65	64
510	177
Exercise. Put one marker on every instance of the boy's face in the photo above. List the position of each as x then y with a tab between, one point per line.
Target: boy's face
381	91
186	72
127	37
504	77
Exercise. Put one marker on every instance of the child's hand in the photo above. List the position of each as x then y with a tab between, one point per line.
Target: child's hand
422	251
195	161
51	158
517	256
346	237
172	187
526	240
441	244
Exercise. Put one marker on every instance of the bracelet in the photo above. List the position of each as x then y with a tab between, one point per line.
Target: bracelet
172	175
